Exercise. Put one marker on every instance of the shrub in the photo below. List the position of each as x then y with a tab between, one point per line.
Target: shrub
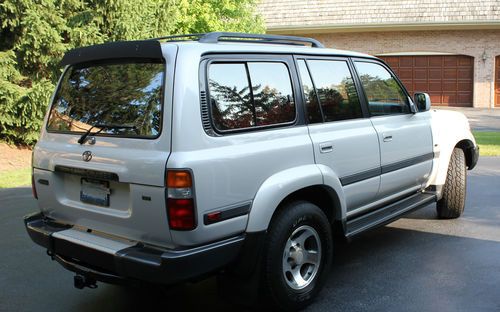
35	34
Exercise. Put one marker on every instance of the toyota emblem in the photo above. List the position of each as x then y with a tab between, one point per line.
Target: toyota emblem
87	156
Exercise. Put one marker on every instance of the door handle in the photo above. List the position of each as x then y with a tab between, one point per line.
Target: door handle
387	137
326	147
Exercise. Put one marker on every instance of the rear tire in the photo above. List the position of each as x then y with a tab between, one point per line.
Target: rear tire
452	204
297	256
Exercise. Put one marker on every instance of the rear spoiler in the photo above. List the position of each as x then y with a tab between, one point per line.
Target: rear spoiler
148	49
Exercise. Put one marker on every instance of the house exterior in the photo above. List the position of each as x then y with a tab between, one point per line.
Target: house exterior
447	48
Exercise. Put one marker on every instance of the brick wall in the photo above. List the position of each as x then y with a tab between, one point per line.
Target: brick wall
467	42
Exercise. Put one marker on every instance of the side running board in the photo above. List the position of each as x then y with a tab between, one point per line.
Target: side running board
388	213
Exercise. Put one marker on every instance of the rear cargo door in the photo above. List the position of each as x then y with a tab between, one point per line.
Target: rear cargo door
100	161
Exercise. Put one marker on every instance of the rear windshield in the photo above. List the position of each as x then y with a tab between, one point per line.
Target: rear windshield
126	97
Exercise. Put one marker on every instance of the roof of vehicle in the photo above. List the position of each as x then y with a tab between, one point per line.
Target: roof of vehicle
215	42
249	47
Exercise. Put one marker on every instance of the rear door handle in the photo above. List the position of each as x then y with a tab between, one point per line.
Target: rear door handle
326	147
387	137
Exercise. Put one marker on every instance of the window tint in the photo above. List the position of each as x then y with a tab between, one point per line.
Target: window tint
235	105
383	92
232	106
312	105
335	87
272	93
119	94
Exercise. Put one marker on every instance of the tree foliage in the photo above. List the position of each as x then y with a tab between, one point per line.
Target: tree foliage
35	34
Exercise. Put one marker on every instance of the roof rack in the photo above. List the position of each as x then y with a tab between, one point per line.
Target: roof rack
180	37
216	37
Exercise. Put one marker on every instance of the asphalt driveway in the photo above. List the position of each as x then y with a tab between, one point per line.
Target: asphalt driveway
417	263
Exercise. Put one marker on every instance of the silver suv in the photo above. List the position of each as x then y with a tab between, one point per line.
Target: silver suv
171	159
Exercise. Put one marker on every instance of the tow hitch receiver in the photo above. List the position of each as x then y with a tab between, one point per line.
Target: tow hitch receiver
81	281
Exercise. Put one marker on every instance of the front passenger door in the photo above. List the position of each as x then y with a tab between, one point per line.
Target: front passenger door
343	139
405	138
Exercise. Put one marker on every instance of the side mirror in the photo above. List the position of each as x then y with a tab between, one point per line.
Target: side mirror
423	101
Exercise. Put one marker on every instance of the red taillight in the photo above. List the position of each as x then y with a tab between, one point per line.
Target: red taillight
180	203
181	214
33	186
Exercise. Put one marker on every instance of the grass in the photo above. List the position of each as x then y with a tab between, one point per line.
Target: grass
489	143
15	178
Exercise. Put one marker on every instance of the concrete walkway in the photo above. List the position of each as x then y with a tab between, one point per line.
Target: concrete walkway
481	119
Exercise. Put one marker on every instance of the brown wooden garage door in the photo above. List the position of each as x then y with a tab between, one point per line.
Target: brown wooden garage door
447	78
497	82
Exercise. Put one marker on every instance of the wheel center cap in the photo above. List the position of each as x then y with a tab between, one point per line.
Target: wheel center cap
298	256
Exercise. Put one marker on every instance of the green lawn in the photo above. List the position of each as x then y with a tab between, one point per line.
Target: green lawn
489	143
15	178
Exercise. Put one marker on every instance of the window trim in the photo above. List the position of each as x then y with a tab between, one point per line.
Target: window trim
285	59
352	70
393	75
107	62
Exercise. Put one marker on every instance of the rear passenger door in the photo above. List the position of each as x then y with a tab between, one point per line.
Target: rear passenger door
343	139
405	137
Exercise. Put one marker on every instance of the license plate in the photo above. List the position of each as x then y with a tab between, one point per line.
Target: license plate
95	192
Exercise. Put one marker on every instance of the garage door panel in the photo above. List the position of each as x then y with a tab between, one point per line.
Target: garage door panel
464	98
447	78
392	61
465	86
450	86
435	98
435	74
435	86
422	61
421	74
405	73
436	61
449	73
451	61
465	61
421	86
449	97
464	73
407	82
406	62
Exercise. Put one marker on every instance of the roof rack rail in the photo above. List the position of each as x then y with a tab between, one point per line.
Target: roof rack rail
180	37
215	37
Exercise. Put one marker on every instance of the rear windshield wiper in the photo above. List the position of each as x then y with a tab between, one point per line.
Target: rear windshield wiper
84	136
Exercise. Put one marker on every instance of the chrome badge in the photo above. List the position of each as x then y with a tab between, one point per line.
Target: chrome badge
87	156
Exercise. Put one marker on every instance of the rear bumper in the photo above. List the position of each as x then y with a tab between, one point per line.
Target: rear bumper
135	263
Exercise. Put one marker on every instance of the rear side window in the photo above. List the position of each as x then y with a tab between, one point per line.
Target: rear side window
125	97
250	94
385	96
335	89
311	98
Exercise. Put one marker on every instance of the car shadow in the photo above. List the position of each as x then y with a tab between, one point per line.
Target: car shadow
387	267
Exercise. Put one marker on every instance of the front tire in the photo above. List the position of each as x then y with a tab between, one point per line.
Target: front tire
452	204
297	256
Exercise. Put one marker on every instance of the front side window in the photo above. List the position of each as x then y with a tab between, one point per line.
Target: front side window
250	94
124	97
335	89
384	95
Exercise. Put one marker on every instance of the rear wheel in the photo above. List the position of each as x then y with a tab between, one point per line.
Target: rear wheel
452	204
297	255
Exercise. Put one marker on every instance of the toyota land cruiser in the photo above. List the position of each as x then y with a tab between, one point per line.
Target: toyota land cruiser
170	159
